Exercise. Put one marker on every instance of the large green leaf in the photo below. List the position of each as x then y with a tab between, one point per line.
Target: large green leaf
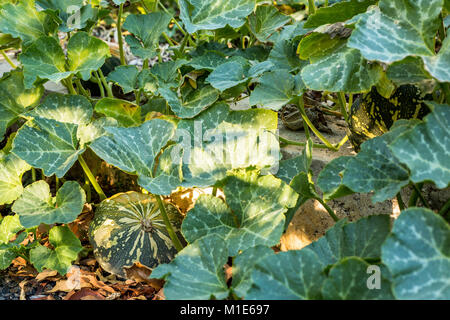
23	21
146	30
45	59
193	103
439	65
330	179
219	140
72	13
293	275
37	206
243	265
424	148
197	271
252	215
86	54
126	77
275	90
11	170
48	144
347	280
338	12
135	150
336	72
408	70
376	169
399	29
418	255
229	75
266	21
15	98
214	14
9	226
66	248
362	238
126	113
65	108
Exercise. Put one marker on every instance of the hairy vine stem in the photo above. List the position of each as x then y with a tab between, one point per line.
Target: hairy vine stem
119	36
172	234
91	178
10	62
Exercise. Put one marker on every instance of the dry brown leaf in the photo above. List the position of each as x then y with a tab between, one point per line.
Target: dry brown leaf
84	294
22	289
160	295
46	274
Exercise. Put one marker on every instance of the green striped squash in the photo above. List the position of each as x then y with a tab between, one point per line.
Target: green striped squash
129	228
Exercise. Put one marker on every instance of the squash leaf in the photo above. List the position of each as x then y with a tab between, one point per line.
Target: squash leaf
376	169
253	214
265	21
65	108
48	144
424	148
23	21
66	248
197	271
397	29
15	99
37	206
347	280
417	254
126	113
214	14
146	30
135	150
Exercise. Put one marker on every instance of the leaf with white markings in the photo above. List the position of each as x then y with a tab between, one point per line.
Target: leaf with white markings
336	72
330	179
37	206
424	148
253	214
48	144
266	21
223	144
135	150
23	21
417	254
45	59
214	14
193	103
15	99
65	108
11	170
347	280
376	169
439	65
397	30
197	271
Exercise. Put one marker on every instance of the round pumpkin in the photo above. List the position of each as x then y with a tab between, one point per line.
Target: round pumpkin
129	228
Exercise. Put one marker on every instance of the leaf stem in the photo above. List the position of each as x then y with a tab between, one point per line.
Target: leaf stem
105	83
329	210
301	107
91	178
82	89
311	7
419	193
33	174
300	144
12	64
100	85
445	209
119	35
172	234
343	104
70	87
401	204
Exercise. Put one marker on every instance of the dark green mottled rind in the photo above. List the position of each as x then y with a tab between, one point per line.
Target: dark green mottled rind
372	115
119	240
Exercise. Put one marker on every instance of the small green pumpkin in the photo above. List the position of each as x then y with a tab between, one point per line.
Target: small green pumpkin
372	115
128	228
